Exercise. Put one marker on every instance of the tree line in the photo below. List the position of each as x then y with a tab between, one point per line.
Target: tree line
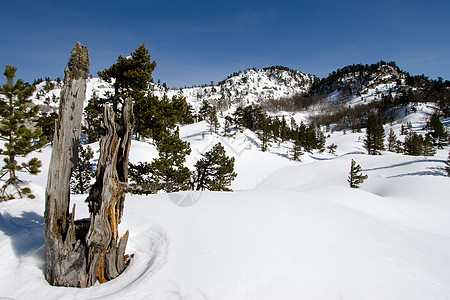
436	137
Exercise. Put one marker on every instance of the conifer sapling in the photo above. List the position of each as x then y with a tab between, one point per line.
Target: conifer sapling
356	178
82	174
215	171
20	138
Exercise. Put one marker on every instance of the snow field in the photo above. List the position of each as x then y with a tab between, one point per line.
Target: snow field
291	230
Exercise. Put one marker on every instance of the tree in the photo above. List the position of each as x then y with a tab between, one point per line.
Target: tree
413	144
437	131
264	134
212	120
374	141
169	170
297	150
80	253
82	174
132	76
302	134
227	126
215	171
93	114
204	111
428	147
284	130
17	114
332	148
392	141
46	121
156	116
320	140
356	178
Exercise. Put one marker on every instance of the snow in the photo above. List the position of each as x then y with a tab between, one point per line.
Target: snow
290	230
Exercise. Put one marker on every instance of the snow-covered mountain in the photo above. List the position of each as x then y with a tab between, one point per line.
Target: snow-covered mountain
251	86
278	89
358	84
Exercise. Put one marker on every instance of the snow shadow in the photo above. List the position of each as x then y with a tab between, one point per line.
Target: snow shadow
429	172
26	231
404	164
334	157
283	155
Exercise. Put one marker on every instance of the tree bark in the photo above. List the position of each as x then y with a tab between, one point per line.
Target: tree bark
80	252
65	254
107	197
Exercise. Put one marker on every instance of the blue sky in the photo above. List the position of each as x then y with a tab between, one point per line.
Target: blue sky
196	42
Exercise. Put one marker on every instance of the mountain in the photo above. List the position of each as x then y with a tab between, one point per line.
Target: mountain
251	86
357	84
279	89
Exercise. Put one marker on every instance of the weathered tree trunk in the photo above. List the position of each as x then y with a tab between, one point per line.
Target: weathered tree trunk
78	253
106	199
65	254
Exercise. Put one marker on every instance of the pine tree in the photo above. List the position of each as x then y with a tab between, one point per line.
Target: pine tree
132	76
332	148
302	133
139	172
284	130
204	111
320	140
93	114
17	112
413	144
212	120
391	141
297	150
294	125
312	141
437	131
374	141
82	174
215	171
227	126
264	135
169	169
403	130
356	178
428	147
46	121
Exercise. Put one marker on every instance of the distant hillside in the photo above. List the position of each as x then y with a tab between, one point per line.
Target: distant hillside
360	83
279	89
251	86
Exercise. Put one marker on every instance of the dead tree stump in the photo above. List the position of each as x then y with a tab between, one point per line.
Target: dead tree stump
65	254
80	252
106	199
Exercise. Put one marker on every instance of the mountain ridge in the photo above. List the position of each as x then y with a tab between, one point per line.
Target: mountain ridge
351	85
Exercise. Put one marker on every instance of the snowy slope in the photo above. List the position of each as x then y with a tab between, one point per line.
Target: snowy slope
243	88
363	87
258	86
43	95
289	231
248	87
